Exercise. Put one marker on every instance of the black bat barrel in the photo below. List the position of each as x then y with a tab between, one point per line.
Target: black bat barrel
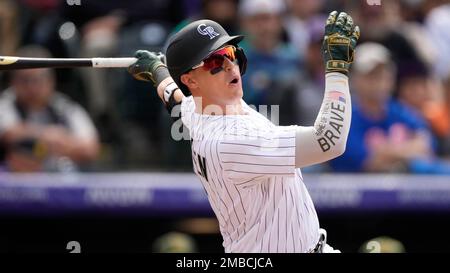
10	63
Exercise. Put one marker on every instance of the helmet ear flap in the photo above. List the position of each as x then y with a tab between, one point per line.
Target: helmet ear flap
242	59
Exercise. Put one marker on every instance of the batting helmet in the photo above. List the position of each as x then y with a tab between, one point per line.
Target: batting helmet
193	44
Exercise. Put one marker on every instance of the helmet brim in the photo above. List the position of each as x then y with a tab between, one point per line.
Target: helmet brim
230	40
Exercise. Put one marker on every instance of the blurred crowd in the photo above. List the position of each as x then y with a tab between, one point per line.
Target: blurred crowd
103	120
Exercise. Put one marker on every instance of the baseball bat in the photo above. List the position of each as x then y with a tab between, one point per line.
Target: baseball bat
10	62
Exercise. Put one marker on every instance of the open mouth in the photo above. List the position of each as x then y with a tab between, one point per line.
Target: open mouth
234	81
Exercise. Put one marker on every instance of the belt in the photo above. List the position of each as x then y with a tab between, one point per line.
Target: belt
321	243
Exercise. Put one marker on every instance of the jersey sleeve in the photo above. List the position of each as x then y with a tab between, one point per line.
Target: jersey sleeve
248	153
187	109
327	139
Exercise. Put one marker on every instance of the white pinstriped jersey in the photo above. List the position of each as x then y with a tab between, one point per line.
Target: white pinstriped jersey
247	167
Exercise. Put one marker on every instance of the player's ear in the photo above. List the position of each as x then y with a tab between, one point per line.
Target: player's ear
189	81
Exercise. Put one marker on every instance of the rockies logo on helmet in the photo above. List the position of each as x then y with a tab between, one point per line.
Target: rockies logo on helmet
207	30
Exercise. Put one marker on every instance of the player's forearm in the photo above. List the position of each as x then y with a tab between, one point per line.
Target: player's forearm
328	137
178	95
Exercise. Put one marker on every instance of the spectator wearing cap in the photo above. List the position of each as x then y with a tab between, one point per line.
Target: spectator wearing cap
274	65
385	136
40	128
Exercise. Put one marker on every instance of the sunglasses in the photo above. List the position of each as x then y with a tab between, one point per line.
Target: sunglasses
214	62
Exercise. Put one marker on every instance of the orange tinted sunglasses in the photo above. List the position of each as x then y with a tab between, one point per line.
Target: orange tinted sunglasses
214	62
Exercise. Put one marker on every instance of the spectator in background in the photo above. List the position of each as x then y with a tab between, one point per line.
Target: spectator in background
418	89
413	85
302	13
121	107
412	28
437	23
41	129
100	25
274	66
385	136
437	112
383	24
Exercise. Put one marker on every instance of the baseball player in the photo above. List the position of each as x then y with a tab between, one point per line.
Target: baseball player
249	167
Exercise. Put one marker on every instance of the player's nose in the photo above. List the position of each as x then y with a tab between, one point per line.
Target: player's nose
228	65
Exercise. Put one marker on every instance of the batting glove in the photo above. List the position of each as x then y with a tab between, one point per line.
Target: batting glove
149	67
338	46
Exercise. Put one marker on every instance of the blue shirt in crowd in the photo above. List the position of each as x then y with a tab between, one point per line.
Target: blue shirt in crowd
364	130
